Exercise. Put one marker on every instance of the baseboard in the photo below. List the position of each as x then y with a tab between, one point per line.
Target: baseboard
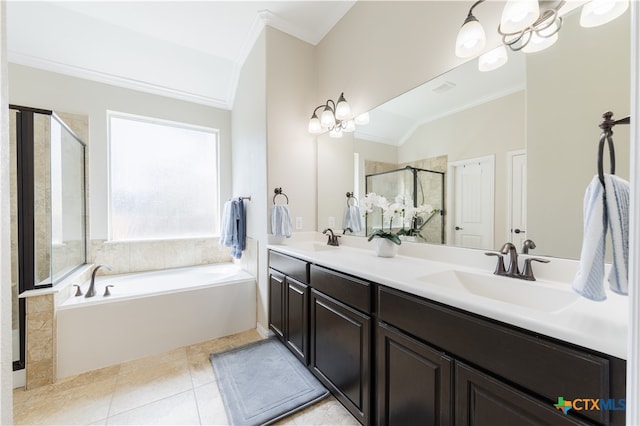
263	331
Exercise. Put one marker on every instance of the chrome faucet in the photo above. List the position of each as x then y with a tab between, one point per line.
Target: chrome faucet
92	290
510	249
333	239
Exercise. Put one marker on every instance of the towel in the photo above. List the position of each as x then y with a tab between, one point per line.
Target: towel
617	205
352	219
233	229
280	221
602	212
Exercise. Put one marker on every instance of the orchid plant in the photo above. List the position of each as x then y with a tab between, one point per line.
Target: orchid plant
388	211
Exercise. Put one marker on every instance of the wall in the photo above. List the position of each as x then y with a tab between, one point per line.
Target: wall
249	161
382	49
6	373
42	89
583	86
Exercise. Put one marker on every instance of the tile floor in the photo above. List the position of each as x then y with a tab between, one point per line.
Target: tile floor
174	388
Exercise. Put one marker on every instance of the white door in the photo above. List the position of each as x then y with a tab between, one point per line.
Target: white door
517	193
471	203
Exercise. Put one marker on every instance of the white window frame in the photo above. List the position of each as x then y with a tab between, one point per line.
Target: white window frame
153	120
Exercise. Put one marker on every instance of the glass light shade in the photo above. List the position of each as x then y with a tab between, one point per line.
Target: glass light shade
518	15
314	125
350	126
537	43
493	59
471	39
327	119
599	12
343	110
362	119
336	132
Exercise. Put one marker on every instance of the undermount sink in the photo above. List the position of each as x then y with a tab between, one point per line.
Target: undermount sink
534	295
313	246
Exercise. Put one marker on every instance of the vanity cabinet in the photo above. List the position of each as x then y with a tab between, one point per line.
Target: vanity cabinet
499	368
289	303
414	381
341	338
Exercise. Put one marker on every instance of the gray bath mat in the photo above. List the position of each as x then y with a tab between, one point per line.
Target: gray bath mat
263	382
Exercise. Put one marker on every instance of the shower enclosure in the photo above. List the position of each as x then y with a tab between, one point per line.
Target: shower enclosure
420	189
47	206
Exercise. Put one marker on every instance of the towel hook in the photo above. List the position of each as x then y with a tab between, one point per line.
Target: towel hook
351	197
278	191
607	132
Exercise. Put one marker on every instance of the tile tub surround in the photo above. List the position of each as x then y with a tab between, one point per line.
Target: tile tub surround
176	387
601	326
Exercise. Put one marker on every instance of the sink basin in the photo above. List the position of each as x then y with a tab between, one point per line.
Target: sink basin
534	295
313	246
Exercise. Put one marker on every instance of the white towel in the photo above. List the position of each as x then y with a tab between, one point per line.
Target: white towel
352	219
226	227
280	221
617	204
598	215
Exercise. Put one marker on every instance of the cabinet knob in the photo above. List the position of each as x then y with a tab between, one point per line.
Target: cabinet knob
458	228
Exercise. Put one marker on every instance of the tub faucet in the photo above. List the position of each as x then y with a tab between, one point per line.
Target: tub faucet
528	245
92	290
510	249
333	239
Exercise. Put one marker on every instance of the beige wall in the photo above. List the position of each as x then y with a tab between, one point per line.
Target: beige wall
584	85
43	89
6	373
382	49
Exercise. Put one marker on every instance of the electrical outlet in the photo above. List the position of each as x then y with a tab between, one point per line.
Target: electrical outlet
332	222
298	222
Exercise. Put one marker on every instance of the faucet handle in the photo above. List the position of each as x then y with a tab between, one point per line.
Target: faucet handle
527	273
500	265
78	291
106	291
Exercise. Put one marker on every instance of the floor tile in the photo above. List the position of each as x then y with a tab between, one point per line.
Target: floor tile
210	405
179	409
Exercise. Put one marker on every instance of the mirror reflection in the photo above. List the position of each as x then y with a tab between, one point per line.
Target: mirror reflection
517	146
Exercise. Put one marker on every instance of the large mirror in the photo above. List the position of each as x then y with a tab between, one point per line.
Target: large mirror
517	145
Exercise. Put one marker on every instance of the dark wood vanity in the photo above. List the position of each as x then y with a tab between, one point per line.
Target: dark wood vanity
394	358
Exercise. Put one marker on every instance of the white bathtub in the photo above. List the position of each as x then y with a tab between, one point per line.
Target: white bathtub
152	312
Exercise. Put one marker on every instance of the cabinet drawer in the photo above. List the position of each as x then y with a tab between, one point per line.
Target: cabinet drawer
295	268
347	289
540	365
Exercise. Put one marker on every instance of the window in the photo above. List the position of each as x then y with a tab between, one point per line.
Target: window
163	179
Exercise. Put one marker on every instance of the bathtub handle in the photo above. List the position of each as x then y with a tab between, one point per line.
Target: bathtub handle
78	291
106	291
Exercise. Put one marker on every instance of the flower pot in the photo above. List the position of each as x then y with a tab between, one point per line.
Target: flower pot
386	248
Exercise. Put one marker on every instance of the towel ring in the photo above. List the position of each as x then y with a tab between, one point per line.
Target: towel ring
351	197
278	191
607	132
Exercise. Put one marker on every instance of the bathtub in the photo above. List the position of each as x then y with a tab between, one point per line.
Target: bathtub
152	312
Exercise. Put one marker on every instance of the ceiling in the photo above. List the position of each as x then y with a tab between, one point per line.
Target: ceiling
190	50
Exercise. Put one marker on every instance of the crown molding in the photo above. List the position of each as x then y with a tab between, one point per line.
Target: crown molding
115	80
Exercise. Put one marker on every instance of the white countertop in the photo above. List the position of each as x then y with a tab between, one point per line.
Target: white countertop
601	326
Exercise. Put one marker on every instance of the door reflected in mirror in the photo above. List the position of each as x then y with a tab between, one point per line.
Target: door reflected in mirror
536	117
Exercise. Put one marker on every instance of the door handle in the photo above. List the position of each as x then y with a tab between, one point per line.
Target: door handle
518	231
458	228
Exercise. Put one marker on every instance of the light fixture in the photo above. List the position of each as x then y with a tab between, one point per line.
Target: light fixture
519	15
531	36
335	118
471	38
493	59
599	12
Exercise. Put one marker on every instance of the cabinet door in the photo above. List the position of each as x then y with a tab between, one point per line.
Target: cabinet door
341	353
276	303
414	381
484	401
297	318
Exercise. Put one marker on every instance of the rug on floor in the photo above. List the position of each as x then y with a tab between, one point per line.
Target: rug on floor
263	382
